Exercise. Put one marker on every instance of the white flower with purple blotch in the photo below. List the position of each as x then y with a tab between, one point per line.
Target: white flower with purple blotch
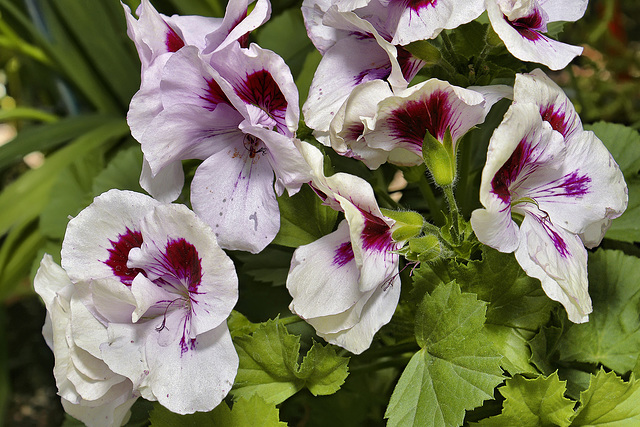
356	48
559	181
557	109
236	109
157	38
154	276
377	125
346	284
90	391
521	25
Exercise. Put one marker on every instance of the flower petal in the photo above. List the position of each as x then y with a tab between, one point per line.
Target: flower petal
559	259
98	240
232	191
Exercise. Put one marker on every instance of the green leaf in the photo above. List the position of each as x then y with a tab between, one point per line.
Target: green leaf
626	228
532	403
455	370
544	348
609	401
517	308
612	335
245	412
515	299
269	365
303	218
122	172
286	35
622	142
69	195
100	29
269	266
48	136
25	198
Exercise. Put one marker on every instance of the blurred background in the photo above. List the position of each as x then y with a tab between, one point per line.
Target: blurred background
67	74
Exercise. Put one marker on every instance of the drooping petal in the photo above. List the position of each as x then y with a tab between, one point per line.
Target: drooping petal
237	24
232	191
164	186
523	36
559	259
111	414
375	313
565	10
196	380
324	282
590	191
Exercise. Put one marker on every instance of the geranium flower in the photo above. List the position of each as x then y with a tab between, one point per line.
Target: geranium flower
558	186
377	125
90	391
355	50
346	284
521	25
157	38
236	109
155	277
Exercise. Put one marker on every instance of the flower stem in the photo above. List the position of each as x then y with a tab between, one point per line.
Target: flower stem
454	213
434	206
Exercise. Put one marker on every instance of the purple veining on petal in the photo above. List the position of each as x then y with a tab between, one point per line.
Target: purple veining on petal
411	122
556	119
376	234
558	241
511	170
119	255
354	131
173	41
260	89
373	74
409	64
183	262
528	26
570	185
343	255
215	95
416	5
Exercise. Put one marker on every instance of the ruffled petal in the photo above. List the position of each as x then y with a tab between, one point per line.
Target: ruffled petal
559	259
376	312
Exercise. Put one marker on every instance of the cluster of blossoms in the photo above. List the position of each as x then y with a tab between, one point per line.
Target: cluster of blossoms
139	306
